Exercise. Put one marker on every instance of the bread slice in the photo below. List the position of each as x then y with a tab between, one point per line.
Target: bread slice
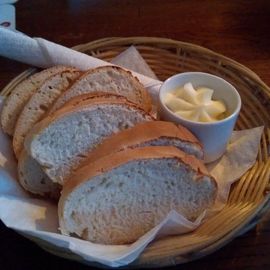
153	133
107	79
21	94
60	142
33	179
31	175
38	104
122	196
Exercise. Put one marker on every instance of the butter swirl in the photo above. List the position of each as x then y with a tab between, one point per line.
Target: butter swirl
195	104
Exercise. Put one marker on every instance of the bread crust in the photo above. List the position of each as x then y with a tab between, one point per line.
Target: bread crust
114	160
20	95
52	190
147	104
142	132
25	120
69	109
86	98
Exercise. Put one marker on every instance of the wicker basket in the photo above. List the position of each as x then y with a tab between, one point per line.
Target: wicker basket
249	197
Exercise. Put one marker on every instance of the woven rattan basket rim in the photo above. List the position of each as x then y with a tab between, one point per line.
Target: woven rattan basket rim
150	257
171	42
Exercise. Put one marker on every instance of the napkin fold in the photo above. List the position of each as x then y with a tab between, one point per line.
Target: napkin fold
240	156
132	60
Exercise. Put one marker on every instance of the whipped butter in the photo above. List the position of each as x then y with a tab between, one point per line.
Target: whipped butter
195	104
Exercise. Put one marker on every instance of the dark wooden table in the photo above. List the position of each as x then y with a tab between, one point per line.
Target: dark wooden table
237	29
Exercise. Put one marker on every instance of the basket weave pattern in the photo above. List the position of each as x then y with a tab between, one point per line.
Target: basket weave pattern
249	196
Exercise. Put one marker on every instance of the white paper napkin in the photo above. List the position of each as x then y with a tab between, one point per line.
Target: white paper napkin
132	60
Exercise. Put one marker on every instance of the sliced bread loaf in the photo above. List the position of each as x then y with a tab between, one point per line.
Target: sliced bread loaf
38	104
61	141
107	79
156	133
33	179
122	196
153	133
21	94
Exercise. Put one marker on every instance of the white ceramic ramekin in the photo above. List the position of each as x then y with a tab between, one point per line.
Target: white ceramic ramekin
214	136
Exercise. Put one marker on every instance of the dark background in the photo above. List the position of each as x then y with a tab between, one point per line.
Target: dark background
237	29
